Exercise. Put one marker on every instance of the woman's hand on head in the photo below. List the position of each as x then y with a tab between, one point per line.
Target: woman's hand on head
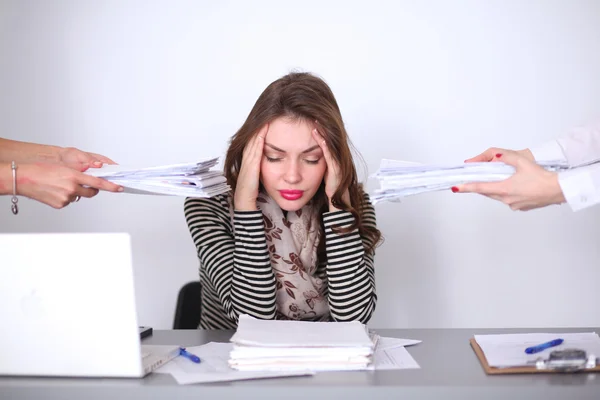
58	185
248	181
333	175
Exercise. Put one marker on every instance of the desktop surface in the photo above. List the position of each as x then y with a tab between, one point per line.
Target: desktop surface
449	370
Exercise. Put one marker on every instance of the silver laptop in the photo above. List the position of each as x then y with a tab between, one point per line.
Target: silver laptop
67	307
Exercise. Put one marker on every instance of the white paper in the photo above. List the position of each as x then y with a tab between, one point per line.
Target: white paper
186	180
385	343
398	179
287	345
284	333
394	358
504	351
213	367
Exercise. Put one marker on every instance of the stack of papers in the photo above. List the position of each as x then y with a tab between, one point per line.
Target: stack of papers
399	179
213	367
276	345
187	180
389	354
505	351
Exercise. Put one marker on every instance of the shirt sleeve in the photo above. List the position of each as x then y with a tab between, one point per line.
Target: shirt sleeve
350	270
237	264
581	186
549	151
581	146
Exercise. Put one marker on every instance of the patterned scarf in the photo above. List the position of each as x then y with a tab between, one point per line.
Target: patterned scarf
292	241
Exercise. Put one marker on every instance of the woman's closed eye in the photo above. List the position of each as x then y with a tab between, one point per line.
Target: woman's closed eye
312	161
273	159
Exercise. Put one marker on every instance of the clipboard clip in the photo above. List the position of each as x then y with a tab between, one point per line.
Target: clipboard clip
567	360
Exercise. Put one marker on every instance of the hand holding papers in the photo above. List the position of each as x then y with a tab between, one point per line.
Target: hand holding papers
400	179
188	180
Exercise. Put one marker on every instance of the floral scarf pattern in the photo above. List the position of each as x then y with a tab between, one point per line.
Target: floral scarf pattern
292	241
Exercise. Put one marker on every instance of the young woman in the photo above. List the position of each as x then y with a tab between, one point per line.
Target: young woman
295	238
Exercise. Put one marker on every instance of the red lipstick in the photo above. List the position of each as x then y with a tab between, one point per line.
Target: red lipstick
291	194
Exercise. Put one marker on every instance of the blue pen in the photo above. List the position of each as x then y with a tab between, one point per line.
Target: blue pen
543	346
184	352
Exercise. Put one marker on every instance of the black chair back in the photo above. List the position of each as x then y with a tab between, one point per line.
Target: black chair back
187	310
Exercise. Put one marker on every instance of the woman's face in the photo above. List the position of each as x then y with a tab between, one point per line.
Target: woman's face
293	166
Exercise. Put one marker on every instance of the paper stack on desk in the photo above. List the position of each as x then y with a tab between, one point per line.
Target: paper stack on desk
399	179
187	180
282	345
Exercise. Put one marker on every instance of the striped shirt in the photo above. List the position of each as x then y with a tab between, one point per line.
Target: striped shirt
235	266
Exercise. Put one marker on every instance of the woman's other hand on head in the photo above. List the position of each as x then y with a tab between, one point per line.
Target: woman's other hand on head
333	173
248	180
493	154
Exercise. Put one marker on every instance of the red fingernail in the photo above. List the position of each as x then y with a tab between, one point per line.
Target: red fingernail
498	155
454	189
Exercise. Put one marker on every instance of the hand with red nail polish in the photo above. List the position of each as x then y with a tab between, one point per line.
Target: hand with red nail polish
530	187
494	154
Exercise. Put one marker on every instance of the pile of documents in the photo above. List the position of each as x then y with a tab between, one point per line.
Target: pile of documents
399	179
187	180
317	346
214	367
281	345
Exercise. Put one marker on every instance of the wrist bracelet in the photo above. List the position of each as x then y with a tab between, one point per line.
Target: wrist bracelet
14	200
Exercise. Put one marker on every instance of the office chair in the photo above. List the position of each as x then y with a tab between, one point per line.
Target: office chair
187	310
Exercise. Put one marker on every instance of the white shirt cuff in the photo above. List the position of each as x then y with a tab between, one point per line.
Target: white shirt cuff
580	188
550	151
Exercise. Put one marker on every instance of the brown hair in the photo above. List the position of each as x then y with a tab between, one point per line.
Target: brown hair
303	96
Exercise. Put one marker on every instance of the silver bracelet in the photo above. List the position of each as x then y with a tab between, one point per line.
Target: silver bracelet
15	200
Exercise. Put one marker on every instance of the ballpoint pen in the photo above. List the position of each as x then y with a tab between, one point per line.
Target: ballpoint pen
190	356
543	346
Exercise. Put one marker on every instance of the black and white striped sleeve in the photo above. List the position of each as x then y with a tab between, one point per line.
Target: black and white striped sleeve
237	264
350	270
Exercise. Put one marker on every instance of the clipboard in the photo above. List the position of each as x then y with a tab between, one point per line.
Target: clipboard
517	370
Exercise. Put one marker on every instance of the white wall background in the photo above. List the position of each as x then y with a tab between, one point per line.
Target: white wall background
157	82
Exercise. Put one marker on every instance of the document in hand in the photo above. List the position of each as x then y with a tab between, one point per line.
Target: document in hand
282	345
399	179
187	180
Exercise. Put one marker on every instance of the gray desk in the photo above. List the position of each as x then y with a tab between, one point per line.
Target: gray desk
449	370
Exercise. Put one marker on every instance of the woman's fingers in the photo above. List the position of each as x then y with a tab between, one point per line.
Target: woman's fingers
97	183
331	164
99	159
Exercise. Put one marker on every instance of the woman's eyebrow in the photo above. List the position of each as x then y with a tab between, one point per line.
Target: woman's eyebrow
283	151
316	146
